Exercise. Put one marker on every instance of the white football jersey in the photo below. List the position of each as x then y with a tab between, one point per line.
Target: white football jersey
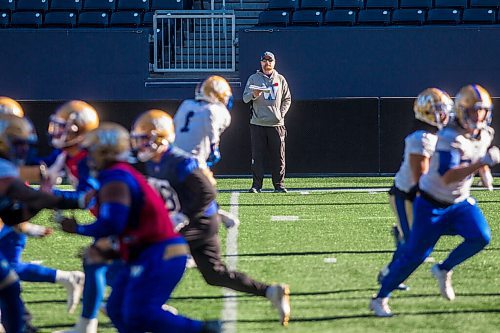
463	150
198	125
417	143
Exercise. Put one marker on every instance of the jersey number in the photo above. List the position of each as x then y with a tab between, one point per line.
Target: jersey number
188	119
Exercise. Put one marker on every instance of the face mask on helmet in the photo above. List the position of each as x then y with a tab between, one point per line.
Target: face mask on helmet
151	134
472	103
433	106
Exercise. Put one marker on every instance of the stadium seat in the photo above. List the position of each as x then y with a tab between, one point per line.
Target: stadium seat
7	5
142	5
168	5
408	16
374	17
383	4
450	4
357	4
444	16
479	15
274	17
283	4
316	4
126	19
147	19
4	19
415	4
93	19
340	17
26	19
307	17
65	5
107	5
32	5
485	3
60	19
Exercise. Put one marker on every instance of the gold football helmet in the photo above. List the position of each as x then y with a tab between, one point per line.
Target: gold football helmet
152	132
433	106
473	97
106	144
69	124
215	89
10	106
16	136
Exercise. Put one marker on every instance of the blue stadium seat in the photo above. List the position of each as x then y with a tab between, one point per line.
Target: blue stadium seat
450	4
32	5
142	5
283	4
147	19
408	16
374	17
108	5
60	19
479	16
7	5
307	17
415	4
126	19
26	19
444	16
4	19
93	19
274	17
168	5
316	4
340	17
485	3
66	5
348	4
383	4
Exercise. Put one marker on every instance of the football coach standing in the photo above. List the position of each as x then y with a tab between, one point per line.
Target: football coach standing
269	97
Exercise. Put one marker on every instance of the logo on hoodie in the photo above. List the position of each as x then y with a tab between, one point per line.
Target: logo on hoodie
271	95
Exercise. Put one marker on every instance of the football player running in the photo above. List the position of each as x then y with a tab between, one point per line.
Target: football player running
179	178
132	214
199	123
18	203
444	205
432	111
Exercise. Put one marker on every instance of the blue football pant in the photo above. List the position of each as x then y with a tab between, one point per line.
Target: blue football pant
430	223
140	290
11	304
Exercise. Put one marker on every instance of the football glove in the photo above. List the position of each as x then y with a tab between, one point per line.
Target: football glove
214	156
492	157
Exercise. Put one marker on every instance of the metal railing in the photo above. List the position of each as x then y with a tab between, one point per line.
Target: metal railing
194	41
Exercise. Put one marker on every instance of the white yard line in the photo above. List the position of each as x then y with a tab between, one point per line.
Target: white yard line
230	307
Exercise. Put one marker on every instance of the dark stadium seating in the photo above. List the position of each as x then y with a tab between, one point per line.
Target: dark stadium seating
307	17
444	16
66	5
479	16
485	3
147	19
450	4
340	17
4	19
168	5
274	17
384	4
107	5
357	4
32	5
408	16
316	4
415	4
374	17
26	19
7	5
283	4
126	19
60	19
93	19
142	5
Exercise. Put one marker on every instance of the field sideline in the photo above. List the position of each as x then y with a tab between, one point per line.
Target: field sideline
329	253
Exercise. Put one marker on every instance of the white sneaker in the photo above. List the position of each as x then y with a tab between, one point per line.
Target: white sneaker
84	325
380	306
74	289
279	295
444	280
229	220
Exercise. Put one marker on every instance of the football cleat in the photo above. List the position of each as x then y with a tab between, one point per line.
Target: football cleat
280	190
279	295
254	190
381	275
10	106
433	106
444	279
74	288
229	220
380	306
473	97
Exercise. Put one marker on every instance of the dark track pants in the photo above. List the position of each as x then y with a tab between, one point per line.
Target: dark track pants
272	140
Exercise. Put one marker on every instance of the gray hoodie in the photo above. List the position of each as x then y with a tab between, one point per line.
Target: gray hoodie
270	108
